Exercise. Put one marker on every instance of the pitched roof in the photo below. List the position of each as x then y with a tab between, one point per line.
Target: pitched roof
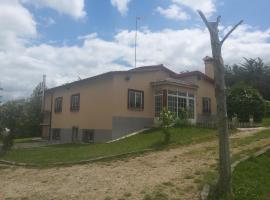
112	73
173	81
152	68
195	73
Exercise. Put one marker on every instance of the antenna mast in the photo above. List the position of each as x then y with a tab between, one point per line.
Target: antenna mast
135	59
0	94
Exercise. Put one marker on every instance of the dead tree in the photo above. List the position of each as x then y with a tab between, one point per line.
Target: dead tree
224	183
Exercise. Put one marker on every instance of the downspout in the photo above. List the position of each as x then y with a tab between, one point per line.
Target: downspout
50	126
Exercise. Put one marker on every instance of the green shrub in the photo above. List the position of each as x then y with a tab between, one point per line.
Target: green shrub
245	101
267	108
182	119
166	119
7	140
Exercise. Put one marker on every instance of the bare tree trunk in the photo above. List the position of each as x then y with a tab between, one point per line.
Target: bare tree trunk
224	184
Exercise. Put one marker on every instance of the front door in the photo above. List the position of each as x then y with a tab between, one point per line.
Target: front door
74	136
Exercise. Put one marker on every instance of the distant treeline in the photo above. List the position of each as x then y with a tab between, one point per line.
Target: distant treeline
251	72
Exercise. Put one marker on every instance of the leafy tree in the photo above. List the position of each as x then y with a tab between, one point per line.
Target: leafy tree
252	72
267	108
166	118
33	115
23	117
245	101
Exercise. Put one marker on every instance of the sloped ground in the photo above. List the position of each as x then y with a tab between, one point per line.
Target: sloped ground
171	174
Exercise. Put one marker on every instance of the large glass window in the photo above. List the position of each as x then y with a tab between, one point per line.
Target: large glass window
181	99
75	102
58	104
135	99
191	108
158	105
172	104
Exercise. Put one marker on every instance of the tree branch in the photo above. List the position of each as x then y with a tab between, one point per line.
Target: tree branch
228	34
204	20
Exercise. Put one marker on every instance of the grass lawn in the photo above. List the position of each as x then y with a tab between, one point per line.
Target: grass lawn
25	140
251	179
266	121
76	152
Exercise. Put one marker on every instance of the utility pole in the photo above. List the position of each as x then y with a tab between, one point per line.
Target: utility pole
1	89
135	58
224	183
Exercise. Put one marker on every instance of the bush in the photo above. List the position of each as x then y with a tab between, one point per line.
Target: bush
267	108
7	140
182	119
166	119
245	101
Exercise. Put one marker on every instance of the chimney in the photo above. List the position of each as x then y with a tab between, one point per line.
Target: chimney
209	66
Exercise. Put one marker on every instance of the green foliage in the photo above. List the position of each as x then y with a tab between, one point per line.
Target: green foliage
166	119
244	102
267	108
182	119
251	179
252	72
7	139
77	152
23	117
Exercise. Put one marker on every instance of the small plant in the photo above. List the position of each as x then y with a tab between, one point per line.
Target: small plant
7	140
166	119
182	119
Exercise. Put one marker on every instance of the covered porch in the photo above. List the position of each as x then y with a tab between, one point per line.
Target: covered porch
175	94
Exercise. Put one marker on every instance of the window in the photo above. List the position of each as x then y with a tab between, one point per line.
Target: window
58	104
191	108
75	102
88	135
180	99
158	105
206	105
172	104
135	99
75	131
56	134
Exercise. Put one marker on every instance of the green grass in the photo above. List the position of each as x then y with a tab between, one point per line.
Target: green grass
251	179
266	121
245	141
76	152
25	140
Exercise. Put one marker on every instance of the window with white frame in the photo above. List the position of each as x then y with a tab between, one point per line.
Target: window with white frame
158	104
135	99
180	99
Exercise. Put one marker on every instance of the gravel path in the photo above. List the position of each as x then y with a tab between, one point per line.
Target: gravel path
172	174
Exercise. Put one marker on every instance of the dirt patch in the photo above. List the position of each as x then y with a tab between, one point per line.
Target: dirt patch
174	173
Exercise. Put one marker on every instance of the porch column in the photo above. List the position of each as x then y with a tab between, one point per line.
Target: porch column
164	100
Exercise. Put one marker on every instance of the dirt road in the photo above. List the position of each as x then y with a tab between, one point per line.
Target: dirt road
169	174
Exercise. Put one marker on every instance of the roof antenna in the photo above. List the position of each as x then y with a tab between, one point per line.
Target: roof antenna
135	58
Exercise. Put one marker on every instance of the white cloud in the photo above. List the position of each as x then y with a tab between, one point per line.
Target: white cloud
173	12
121	5
207	6
179	9
178	49
22	65
16	25
74	8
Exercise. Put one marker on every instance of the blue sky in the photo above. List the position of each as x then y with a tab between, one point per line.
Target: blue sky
79	38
